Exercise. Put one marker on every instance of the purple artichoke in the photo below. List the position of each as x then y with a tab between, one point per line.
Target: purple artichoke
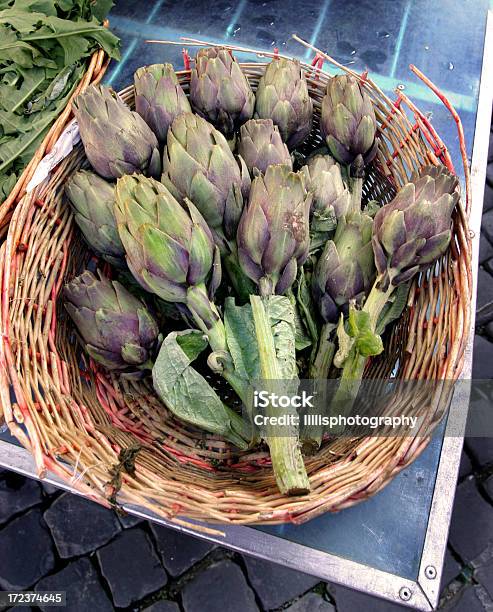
414	230
331	197
118	330
282	95
348	123
219	91
116	140
273	233
345	270
159	97
93	200
261	145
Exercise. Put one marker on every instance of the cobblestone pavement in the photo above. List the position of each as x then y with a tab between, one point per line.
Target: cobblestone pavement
56	541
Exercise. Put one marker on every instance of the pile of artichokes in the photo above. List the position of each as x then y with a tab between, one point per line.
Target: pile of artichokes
218	245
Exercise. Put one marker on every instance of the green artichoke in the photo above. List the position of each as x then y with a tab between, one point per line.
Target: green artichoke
414	230
348	123
219	91
93	200
331	197
261	145
345	270
118	330
282	95
198	165
159	97
169	247
116	140
273	234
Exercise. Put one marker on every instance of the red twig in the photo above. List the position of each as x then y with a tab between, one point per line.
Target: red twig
396	152
439	148
186	59
460	129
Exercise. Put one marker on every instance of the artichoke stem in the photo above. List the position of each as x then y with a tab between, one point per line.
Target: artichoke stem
208	320
356	196
311	435
376	301
287	461
354	366
266	286
207	317
320	366
241	283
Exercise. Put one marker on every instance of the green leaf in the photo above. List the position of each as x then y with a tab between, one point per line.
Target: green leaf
7	182
47	7
14	98
372	208
54	91
241	339
358	321
302	338
306	306
31	130
56	28
14	50
368	343
188	395
21	20
192	343
101	8
281	315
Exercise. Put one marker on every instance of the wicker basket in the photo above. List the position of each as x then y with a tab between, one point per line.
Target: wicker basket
96	67
116	443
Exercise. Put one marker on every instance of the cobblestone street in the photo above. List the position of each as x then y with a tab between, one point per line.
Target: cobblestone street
51	540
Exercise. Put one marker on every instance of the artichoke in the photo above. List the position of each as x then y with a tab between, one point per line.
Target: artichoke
348	123
282	95
409	234
118	330
116	140
331	197
169	247
198	165
261	145
345	270
219	91
273	234
414	230
159	97
93	200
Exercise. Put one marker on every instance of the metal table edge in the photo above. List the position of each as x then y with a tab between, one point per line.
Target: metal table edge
423	593
434	548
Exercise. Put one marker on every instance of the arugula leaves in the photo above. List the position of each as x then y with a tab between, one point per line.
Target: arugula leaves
43	47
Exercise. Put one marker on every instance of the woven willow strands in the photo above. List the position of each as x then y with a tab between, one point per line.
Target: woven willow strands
115	442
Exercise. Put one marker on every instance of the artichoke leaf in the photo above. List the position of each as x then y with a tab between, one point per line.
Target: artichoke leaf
187	394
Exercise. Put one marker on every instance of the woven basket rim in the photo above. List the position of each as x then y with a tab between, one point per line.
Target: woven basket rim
362	471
